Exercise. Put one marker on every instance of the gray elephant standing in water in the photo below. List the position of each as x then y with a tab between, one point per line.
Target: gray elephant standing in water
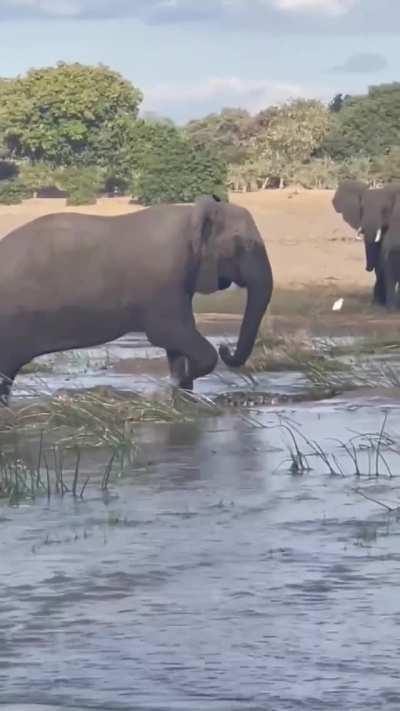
73	281
374	214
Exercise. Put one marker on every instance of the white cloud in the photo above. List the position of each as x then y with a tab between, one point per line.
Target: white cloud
250	94
270	16
196	9
54	8
330	7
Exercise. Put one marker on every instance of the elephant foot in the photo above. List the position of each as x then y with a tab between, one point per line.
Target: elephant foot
180	372
187	386
392	306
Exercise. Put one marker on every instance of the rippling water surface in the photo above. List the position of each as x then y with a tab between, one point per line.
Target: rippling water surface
211	578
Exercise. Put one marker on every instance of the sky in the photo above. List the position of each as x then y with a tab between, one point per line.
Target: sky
194	57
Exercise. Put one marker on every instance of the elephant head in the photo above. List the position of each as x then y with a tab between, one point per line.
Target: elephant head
348	201
368	211
228	248
377	211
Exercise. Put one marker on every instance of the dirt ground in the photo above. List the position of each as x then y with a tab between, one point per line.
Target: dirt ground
308	242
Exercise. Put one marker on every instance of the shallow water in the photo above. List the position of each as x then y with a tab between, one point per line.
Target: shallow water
211	578
103	366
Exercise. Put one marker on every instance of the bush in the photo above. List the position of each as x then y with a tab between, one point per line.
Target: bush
175	171
387	167
37	176
13	192
81	197
356	168
82	185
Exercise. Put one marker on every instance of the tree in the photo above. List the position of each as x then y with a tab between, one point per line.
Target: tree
294	132
246	177
171	169
153	117
57	114
367	125
125	144
386	168
159	161
226	134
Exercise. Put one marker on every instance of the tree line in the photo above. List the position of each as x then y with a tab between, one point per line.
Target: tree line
308	143
76	129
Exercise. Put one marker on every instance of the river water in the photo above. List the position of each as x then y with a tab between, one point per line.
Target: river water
211	578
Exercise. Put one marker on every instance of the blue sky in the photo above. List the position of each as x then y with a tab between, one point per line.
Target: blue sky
191	57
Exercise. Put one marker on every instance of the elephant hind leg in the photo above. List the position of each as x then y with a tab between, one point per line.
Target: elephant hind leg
7	376
6	383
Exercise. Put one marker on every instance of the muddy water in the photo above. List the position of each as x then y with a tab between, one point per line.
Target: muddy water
211	578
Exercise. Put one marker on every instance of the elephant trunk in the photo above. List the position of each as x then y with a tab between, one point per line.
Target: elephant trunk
257	277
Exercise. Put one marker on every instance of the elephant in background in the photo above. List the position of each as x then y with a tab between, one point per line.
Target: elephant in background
371	213
386	249
72	281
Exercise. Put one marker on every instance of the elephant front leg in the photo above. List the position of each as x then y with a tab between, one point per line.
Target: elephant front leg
179	367
192	356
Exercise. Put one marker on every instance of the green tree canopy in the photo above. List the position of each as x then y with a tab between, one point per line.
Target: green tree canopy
171	169
366	125
293	132
57	114
226	133
161	163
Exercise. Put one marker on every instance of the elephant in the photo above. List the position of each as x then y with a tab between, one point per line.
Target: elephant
385	249
70	280
369	211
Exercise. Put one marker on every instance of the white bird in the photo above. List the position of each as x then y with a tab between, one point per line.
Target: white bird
338	305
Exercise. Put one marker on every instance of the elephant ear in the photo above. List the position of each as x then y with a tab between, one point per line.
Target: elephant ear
207	222
348	201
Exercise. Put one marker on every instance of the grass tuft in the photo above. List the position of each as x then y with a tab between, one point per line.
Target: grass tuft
102	416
